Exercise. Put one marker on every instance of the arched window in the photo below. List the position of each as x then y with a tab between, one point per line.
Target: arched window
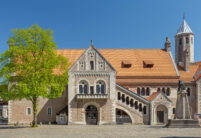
119	96
145	110
131	102
100	87
123	98
140	107
91	65
147	91
136	105
159	89
188	92
127	100
163	90
168	92
143	91
83	87
138	91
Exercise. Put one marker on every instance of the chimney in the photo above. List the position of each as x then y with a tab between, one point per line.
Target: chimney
186	58
167	45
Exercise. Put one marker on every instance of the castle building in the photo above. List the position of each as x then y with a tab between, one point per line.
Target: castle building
117	86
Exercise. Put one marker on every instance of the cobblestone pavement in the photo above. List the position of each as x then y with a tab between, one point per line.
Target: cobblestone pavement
103	131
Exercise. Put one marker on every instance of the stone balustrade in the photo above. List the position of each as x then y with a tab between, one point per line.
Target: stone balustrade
92	96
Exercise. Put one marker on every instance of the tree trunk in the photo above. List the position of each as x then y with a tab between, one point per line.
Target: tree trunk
35	111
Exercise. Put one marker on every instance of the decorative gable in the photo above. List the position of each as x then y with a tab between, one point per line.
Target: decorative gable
91	60
160	98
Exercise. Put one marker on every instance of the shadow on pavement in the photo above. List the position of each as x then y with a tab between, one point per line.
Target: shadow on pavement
13	127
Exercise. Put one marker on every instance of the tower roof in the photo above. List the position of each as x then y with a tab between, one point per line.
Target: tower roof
184	28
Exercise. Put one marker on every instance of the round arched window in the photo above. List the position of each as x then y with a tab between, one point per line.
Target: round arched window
123	98
147	91
83	87
119	96
143	91
168	92
100	87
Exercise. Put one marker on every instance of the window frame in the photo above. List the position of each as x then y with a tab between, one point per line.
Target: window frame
91	65
187	40
27	111
83	87
100	87
143	91
49	110
147	93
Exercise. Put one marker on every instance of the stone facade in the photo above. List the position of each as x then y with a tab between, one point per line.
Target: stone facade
18	110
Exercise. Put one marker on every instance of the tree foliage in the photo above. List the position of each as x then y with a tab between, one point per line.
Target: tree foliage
31	67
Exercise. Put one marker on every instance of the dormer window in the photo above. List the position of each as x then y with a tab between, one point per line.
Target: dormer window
148	64
91	65
126	64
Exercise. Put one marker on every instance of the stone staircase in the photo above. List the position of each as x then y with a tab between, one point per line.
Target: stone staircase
137	106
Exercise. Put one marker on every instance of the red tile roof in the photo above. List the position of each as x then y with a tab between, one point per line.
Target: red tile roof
163	65
163	69
198	72
188	76
152	96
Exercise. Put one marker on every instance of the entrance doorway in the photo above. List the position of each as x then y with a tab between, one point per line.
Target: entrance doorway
161	114
91	115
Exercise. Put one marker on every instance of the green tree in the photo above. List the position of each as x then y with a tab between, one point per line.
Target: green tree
32	68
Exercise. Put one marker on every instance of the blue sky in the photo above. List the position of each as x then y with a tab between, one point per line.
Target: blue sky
137	24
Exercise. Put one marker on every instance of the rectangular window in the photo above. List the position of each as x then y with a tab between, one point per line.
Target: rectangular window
85	89
28	111
187	40
97	89
145	110
91	65
92	89
102	89
49	110
1	113
173	110
180	41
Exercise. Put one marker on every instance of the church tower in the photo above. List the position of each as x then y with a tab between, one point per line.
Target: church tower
184	40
